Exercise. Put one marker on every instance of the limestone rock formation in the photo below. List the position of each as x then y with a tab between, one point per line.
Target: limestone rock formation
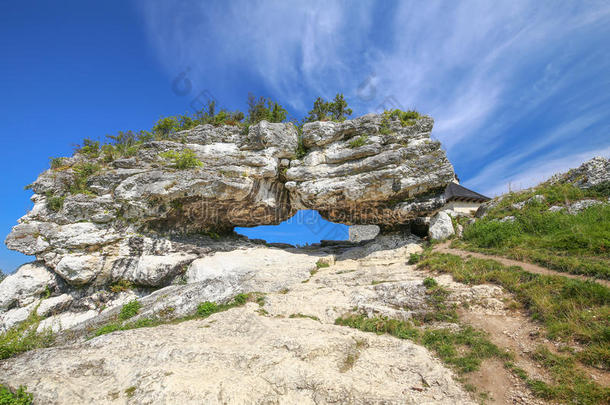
591	173
141	219
284	350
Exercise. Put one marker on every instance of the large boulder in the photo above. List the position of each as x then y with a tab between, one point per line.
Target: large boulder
441	226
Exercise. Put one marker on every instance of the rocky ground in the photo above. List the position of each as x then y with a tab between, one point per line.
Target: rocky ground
285	351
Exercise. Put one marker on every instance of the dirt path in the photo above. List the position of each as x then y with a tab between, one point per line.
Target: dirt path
532	268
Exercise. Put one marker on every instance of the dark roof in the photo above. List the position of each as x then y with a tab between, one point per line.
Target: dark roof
455	192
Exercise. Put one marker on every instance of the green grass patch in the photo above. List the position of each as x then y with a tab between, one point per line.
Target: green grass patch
130	310
186	159
18	397
463	349
204	310
578	244
23	337
358	142
300	315
570	384
320	264
572	310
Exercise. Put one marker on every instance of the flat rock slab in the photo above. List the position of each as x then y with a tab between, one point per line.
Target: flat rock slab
236	357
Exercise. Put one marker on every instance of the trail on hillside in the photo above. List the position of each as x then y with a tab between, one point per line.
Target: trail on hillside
532	268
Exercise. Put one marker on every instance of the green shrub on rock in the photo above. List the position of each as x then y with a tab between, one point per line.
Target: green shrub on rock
130	310
186	159
19	397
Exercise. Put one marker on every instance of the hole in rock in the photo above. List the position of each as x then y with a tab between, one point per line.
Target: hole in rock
305	227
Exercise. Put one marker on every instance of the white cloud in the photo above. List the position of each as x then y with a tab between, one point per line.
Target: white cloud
480	68
537	171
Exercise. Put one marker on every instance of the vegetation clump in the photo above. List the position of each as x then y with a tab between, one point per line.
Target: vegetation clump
57	163
54	202
577	243
82	172
406	118
358	142
204	310
320	264
19	397
464	349
23	337
186	159
129	310
336	110
121	285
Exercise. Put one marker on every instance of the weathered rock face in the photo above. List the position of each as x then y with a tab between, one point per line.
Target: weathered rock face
131	222
286	349
591	173
355	174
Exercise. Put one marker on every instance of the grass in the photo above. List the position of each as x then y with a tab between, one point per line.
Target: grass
19	397
204	310
357	142
300	315
463	349
23	337
572	310
82	172
578	244
130	310
55	203
320	264
186	159
121	286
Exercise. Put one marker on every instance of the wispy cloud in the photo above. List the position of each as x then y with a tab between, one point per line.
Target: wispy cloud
508	82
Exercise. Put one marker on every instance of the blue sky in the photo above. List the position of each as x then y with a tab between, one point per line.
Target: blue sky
519	89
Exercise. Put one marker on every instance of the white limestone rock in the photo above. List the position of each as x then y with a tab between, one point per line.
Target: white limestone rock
359	233
65	321
441	226
26	285
53	305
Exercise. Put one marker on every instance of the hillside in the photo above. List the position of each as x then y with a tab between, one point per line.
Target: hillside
141	293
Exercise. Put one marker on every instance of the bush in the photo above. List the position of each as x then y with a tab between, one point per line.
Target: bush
262	108
57	162
90	148
336	110
207	308
130	310
358	142
406	118
55	203
429	282
166	126
19	397
186	159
